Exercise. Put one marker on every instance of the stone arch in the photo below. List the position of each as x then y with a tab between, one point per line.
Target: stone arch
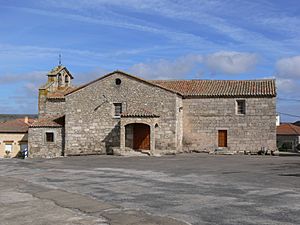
67	80
137	121
126	121
138	136
60	79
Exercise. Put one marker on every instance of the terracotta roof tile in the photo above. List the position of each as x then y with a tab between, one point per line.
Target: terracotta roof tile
288	129
138	113
57	69
220	88
15	126
206	88
60	94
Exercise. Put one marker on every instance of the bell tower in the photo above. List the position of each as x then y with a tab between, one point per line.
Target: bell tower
59	81
59	78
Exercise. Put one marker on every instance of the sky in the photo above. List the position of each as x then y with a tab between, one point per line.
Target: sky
153	39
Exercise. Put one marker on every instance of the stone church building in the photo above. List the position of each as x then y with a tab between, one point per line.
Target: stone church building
119	112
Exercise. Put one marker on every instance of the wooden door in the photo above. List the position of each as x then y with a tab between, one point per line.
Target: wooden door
222	138
141	136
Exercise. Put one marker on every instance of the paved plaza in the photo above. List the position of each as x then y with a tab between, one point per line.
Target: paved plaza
182	189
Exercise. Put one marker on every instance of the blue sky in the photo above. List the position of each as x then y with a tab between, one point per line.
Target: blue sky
154	39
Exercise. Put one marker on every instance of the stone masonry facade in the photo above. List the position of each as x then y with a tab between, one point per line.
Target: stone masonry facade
91	126
38	145
157	116
249	132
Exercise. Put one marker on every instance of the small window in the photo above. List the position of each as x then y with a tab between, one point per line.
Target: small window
8	147
241	107
49	136
118	109
118	81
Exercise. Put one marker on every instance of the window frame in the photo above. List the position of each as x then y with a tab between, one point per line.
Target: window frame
46	137
240	111
6	144
115	113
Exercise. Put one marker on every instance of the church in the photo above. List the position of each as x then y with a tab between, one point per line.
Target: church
120	113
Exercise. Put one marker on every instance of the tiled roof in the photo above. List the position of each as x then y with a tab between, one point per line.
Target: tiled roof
220	88
288	129
206	88
138	113
15	126
47	122
7	117
59	94
58	69
128	75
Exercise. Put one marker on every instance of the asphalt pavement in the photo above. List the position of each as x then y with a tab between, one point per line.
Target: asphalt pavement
180	189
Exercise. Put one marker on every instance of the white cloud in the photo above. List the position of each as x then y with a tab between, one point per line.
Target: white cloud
288	67
84	77
164	69
288	98
32	77
216	14
287	79
118	20
231	62
287	86
25	99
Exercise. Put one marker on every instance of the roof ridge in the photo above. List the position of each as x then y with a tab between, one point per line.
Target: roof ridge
260	79
124	73
292	126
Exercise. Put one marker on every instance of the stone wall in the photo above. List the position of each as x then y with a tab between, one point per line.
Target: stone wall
179	122
54	107
42	102
39	147
203	117
129	136
90	123
50	107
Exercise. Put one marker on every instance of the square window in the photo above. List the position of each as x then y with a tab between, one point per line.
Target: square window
118	109
241	107
49	136
8	147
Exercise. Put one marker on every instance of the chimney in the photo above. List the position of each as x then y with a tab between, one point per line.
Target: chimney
26	119
277	120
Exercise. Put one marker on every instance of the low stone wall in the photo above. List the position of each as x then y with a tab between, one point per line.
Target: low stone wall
38	145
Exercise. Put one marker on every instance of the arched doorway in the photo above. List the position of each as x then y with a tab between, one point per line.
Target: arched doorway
137	136
141	136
